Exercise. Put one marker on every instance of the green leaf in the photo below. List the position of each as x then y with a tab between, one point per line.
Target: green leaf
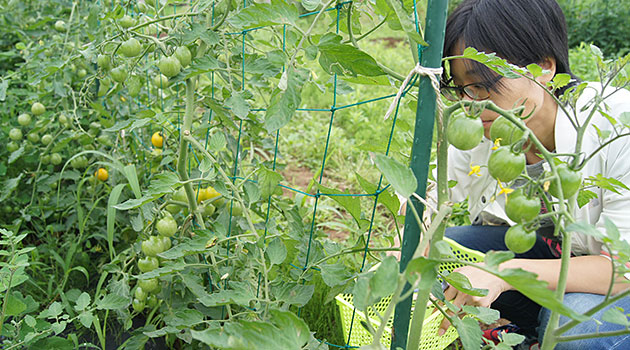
585	196
422	268
469	332
276	251
4	85
112	302
387	198
334	274
135	203
252	193
311	5
616	315
199	31
585	228
293	328
535	70
217	142
350	203
483	314
16	155
265	14
560	80
14	306
240	294
495	63
82	302
285	101
189	246
86	318
184	318
345	59
30	321
238	104
362	297
111	218
132	176
293	293
399	176
8	186
461	282
494	258
268	181
406	21
381	282
612	231
624	118
163	183
511	339
55	309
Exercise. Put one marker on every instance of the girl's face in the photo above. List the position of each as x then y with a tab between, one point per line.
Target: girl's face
509	94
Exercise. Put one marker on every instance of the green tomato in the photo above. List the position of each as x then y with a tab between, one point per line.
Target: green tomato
207	210
45	159
55	159
60	26
104	85
180	195
161	81
521	208
142	7
127	21
237	209
33	137
103	62
152	301
152	246
130	48
518	240
15	134
169	66
140	294
464	133
166	226
505	165
47	139
38	109
506	131
148	263
138	305
166	243
63	119
173	208
119	74
81	73
183	55
149	285
12	146
570	181
24	119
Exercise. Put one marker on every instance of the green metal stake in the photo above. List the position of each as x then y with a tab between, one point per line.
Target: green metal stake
420	155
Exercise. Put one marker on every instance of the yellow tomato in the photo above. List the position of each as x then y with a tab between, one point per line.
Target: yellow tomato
101	174
207	193
157	140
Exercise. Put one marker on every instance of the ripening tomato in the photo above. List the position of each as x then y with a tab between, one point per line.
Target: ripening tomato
570	181
505	165
464	133
506	131
521	208
101	174
157	139
519	240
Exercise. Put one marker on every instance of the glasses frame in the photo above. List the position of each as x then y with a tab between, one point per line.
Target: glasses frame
447	90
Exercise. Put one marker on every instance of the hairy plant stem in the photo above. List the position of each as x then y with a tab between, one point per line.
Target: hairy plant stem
436	231
388	312
183	152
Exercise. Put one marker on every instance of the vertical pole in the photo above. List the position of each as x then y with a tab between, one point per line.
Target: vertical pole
435	25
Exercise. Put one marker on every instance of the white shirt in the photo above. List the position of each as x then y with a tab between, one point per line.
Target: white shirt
613	161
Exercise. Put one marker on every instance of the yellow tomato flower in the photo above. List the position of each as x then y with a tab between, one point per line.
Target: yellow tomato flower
505	190
475	169
497	143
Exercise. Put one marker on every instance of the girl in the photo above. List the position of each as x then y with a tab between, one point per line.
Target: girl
525	32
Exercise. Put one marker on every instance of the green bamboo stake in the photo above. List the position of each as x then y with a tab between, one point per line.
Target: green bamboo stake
435	25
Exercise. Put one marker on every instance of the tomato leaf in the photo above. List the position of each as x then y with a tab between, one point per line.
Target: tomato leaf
344	59
111	218
616	315
265	14
399	176
461	282
284	102
8	186
334	274
381	281
112	302
350	203
268	181
469	332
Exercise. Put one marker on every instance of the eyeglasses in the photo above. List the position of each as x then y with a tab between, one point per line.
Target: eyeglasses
474	91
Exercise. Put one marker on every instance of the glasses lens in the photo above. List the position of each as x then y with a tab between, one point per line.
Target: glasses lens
451	93
476	91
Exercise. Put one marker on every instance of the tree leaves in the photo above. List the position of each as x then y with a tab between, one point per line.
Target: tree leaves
265	14
344	59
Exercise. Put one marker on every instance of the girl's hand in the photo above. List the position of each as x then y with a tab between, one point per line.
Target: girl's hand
478	279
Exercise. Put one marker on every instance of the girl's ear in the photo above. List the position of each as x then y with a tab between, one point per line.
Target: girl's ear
548	64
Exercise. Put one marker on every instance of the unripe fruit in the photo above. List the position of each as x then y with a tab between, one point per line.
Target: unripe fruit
15	134
32	137
60	26
169	66
183	55
127	21
47	139
161	81
149	285
24	119
55	158
166	226
103	62
38	109
130	48
118	74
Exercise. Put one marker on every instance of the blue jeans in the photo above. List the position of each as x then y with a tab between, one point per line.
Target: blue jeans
525	313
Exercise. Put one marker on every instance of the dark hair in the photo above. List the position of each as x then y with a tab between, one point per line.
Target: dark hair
519	31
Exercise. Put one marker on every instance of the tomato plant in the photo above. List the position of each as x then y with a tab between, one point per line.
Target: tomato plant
570	181
520	208
505	130
519	240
